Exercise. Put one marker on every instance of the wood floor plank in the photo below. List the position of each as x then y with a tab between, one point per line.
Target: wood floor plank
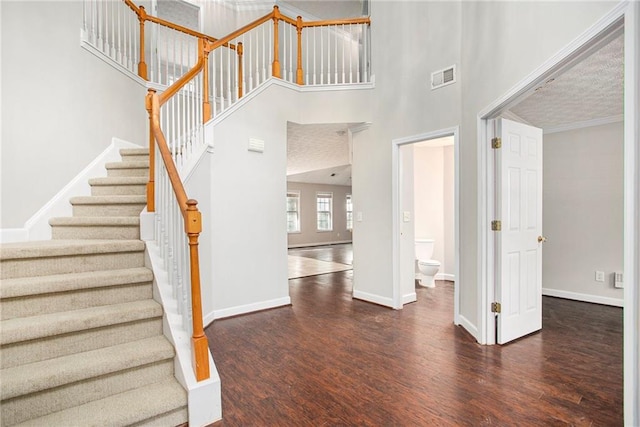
330	360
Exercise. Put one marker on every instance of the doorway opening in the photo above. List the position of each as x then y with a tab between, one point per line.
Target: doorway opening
623	18
415	218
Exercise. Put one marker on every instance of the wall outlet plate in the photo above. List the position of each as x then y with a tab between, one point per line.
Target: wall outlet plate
599	276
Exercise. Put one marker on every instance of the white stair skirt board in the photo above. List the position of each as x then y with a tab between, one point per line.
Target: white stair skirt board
205	397
616	302
247	308
445	276
376	299
299	266
37	227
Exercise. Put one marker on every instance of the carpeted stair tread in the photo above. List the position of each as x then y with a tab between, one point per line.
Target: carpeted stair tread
56	248
128	164
47	325
126	408
90	221
119	180
107	200
134	151
26	286
38	376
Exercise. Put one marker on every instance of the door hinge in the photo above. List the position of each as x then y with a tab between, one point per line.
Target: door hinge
496	307
496	225
496	143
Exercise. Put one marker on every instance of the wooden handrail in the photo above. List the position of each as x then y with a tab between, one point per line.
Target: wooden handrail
188	207
193	227
365	20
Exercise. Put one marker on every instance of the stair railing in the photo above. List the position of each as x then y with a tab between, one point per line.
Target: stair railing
336	52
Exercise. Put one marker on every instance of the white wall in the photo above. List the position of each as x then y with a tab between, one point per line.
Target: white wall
60	105
583	212
434	201
409	41
309	235
242	196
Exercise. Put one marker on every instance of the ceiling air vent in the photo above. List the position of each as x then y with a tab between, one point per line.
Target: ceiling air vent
443	77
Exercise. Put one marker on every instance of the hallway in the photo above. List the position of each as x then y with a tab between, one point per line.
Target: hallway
331	360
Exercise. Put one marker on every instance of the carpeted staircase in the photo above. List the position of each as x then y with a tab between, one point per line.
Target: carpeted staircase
81	340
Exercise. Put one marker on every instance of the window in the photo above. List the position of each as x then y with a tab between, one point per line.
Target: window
324	208
293	212
349	213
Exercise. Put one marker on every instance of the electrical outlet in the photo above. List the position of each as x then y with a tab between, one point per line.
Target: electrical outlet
599	276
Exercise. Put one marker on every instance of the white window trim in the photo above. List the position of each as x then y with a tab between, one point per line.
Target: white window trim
346	208
330	229
297	194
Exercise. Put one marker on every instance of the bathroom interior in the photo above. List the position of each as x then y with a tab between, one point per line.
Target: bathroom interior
433	202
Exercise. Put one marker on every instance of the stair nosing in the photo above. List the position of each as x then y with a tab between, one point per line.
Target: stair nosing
99	410
67	247
108	200
119	180
54	283
96	221
20	329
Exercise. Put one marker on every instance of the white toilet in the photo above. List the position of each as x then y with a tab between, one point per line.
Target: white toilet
426	268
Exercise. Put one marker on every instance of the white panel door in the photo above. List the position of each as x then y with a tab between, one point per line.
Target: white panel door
519	251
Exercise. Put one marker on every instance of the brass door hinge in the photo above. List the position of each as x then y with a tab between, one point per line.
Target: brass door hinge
496	225
496	307
496	143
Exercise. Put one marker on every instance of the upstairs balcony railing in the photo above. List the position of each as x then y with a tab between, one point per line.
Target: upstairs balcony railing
199	77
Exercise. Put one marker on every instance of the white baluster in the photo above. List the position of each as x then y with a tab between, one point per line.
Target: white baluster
335	36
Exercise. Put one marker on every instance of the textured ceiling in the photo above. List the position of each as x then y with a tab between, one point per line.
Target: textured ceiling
316	151
592	89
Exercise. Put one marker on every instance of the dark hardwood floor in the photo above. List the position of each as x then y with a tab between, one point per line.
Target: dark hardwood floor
333	361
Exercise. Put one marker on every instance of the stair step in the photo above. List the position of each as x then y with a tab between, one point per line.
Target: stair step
91	227
136	154
43	258
118	185
30	286
30	296
128	168
166	398
48	325
108	205
63	345
40	388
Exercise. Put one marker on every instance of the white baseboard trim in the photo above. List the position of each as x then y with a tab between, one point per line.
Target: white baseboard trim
445	276
469	327
247	308
409	298
37	227
309	245
376	299
616	302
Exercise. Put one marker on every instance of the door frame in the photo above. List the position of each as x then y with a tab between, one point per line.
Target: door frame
626	15
396	200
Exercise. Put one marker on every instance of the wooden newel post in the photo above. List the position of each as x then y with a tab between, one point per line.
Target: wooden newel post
142	66
151	185
240	51
275	68
204	48
193	227
299	78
